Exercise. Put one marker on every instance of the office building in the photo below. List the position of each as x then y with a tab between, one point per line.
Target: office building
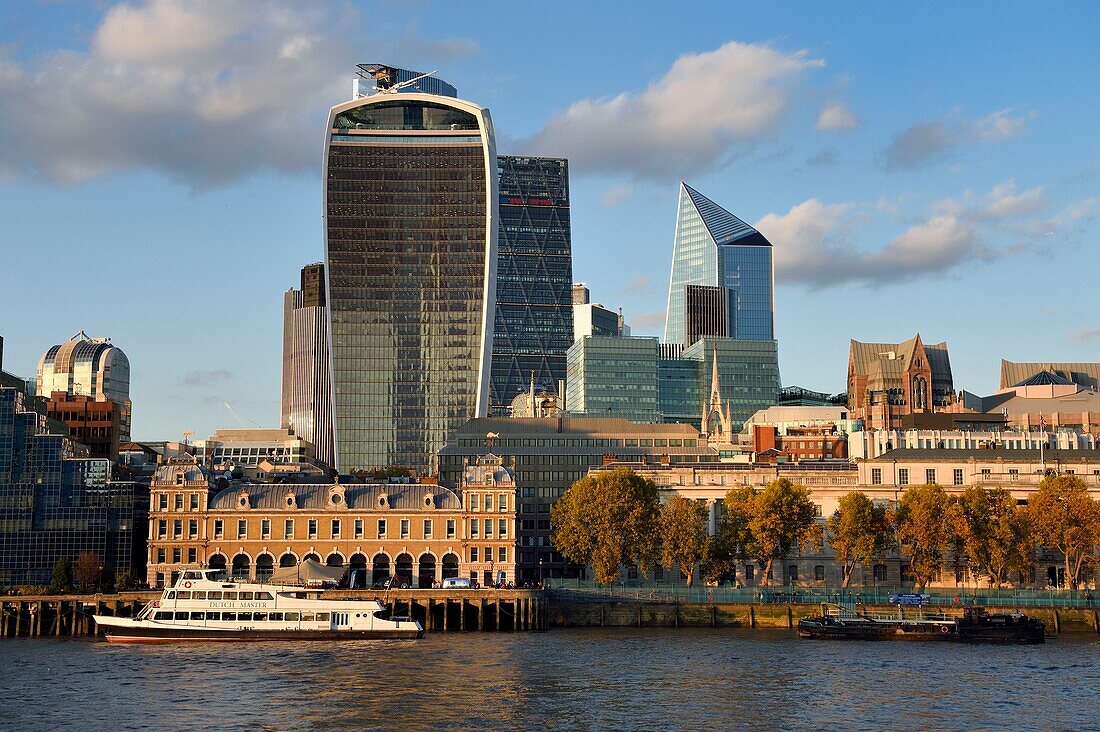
887	381
613	377
91	367
747	373
548	455
706	312
714	248
306	403
411	225
89	422
593	319
534	313
375	78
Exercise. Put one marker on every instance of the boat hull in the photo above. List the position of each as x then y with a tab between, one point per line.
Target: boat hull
1018	633
144	634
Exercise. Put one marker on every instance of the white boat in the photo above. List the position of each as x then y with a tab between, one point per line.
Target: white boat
205	606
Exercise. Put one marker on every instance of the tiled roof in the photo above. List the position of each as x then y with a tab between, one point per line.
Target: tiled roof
314	496
1084	374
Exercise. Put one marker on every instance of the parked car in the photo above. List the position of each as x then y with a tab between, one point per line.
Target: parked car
457	583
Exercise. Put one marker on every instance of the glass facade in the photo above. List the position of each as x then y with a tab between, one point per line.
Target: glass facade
534	312
713	247
410	256
613	377
55	505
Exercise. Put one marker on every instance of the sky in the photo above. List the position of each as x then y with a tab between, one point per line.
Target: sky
930	167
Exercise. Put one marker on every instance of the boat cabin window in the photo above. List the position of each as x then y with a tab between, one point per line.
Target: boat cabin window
198	616
264	596
247	595
213	616
198	595
307	617
230	595
244	617
291	617
278	617
232	617
323	617
181	616
171	595
162	616
183	595
192	575
214	595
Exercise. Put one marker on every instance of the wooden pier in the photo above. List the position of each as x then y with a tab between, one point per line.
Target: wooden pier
455	610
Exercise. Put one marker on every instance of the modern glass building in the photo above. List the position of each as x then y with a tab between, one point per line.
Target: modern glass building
715	248
410	217
306	400
609	376
748	379
92	367
534	311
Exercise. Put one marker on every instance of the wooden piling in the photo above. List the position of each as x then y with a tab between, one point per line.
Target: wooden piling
1057	622
752	616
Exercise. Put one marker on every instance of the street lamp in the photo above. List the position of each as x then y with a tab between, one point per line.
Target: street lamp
540	571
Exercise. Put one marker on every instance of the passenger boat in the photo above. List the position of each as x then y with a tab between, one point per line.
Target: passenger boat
975	625
205	606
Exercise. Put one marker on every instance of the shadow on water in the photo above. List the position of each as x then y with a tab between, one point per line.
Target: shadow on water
580	679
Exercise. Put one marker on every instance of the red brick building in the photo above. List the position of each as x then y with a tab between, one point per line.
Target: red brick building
889	380
91	423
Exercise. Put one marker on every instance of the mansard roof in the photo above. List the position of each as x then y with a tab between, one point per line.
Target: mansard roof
315	496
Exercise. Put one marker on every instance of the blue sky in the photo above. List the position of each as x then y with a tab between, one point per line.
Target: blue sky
931	167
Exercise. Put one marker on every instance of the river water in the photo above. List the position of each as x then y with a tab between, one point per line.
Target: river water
652	679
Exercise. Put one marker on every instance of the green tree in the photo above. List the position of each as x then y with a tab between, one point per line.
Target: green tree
993	532
1064	517
607	521
733	541
924	529
783	518
683	535
87	571
61	579
859	532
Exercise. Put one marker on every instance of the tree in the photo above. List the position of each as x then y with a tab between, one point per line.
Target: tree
87	571
62	577
1064	517
607	521
859	532
783	518
733	542
683	535
924	529
993	532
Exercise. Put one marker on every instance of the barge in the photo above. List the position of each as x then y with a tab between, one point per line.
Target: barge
974	625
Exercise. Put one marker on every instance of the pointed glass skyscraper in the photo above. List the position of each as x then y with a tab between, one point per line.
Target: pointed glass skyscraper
714	248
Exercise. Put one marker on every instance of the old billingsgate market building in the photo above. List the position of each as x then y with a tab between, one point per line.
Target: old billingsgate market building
420	533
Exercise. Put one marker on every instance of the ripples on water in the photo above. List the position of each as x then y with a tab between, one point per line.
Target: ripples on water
650	679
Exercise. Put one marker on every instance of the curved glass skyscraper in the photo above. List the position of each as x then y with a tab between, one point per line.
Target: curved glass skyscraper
410	257
712	247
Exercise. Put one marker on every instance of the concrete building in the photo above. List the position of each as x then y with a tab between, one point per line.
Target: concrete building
95	424
1058	398
411	220
1014	468
714	248
418	532
889	380
91	367
306	401
548	455
864	445
593	319
534	311
228	448
1086	375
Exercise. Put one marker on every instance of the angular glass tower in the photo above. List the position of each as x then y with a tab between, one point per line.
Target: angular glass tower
534	311
410	218
713	247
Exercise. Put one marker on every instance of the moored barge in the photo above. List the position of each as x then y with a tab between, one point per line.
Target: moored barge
975	625
204	606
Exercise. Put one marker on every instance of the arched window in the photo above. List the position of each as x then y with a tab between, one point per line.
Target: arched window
217	561
403	568
335	560
426	575
311	557
242	566
450	566
380	568
265	565
288	560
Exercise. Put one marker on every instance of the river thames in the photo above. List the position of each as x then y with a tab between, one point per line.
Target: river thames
652	679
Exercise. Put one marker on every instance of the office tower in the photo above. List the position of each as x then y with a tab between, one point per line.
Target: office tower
373	78
534	314
410	217
91	367
706	312
593	319
306	404
713	247
611	376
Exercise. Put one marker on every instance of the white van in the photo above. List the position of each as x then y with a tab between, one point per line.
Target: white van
456	583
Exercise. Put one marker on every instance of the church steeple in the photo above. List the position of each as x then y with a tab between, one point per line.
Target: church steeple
713	407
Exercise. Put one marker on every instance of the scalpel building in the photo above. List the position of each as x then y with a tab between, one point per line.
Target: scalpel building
410	255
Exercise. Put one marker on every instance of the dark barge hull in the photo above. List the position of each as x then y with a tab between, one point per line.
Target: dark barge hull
176	635
1025	632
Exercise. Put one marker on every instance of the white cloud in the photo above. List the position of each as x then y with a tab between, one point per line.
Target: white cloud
640	285
813	240
836	117
1086	335
932	141
688	121
205	92
616	196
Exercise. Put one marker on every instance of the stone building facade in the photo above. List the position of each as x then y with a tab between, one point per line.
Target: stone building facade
889	380
418	532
